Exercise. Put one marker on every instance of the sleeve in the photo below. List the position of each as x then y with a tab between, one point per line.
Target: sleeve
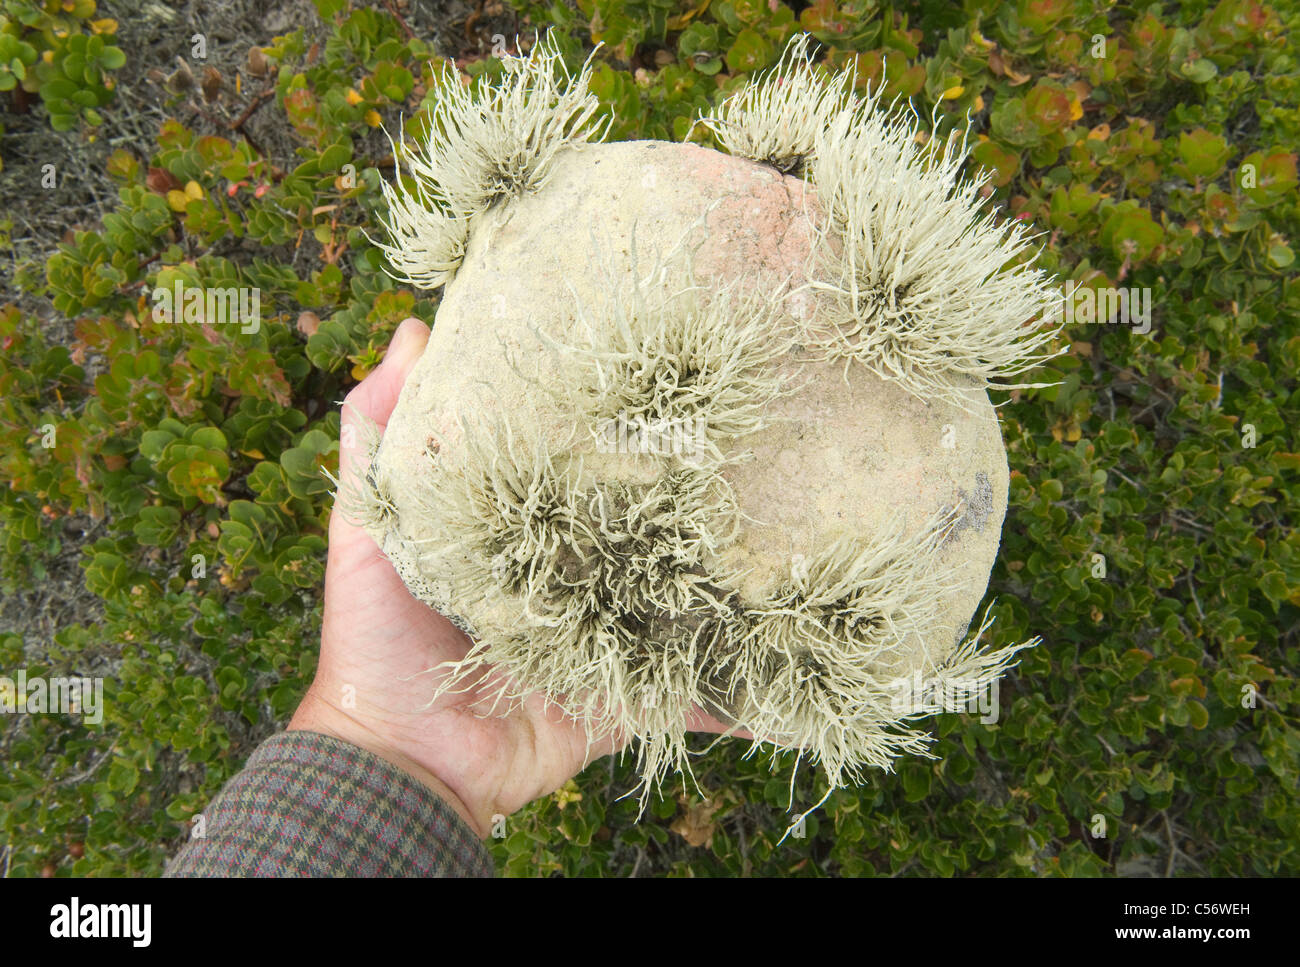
308	804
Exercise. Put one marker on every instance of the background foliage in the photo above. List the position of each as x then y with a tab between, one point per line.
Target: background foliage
1152	144
60	50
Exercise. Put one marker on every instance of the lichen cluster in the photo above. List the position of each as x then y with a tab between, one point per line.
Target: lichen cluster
483	145
928	288
619	599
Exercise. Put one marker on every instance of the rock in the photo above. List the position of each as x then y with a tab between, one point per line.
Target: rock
844	456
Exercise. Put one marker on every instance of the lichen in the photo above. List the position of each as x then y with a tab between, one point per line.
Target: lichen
616	593
483	143
928	287
775	117
688	367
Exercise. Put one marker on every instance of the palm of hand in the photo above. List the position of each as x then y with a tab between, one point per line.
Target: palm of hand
379	646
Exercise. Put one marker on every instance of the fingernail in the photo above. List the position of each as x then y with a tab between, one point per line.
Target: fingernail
406	341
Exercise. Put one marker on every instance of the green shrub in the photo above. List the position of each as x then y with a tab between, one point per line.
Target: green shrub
1147	537
58	49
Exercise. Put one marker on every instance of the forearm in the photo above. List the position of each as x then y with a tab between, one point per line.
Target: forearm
309	804
313	716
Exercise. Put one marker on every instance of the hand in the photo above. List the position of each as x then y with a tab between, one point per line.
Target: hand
377	639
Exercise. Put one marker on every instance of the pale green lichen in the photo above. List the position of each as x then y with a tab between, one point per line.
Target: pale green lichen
823	646
775	117
688	367
484	142
927	287
611	589
362	492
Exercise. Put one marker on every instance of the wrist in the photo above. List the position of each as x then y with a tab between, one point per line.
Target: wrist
315	715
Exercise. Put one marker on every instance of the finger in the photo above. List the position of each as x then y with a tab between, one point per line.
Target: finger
701	721
375	396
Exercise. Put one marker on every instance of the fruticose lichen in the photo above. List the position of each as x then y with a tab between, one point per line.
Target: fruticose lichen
482	145
623	599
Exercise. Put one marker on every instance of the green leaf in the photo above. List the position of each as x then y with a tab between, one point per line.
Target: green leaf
916	782
112	59
1199	71
1280	255
751	51
123	776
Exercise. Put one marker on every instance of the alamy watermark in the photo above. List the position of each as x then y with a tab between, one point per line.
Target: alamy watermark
67	696
197	305
75	920
916	695
683	437
1085	305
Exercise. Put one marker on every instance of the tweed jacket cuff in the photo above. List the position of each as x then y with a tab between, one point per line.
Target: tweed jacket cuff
308	804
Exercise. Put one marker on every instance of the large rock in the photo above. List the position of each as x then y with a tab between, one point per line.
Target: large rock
846	455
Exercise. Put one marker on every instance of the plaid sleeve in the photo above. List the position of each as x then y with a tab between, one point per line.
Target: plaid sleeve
308	804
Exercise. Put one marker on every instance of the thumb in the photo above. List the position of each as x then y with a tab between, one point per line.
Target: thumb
375	396
405	350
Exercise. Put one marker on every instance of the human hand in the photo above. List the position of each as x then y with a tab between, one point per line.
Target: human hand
377	639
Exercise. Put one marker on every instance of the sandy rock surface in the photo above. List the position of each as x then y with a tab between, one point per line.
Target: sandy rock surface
840	456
